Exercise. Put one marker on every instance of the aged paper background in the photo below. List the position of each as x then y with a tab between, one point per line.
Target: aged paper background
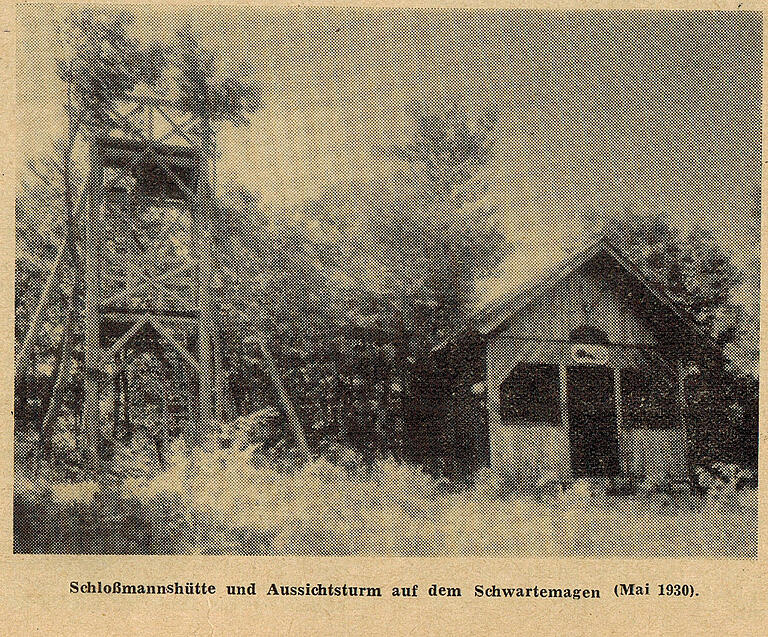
35	587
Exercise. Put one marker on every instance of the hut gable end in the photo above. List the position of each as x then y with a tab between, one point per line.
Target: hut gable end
593	296
596	288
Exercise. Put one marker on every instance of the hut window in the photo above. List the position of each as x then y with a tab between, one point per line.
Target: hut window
531	393
647	399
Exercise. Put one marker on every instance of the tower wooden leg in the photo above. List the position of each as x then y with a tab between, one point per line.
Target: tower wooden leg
91	417
204	211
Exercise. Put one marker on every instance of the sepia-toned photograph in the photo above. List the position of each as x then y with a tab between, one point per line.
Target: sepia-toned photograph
387	282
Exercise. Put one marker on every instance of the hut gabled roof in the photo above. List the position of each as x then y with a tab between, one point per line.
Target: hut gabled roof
494	315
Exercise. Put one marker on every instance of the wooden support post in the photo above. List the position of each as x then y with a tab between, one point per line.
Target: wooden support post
23	356
204	213
564	417
682	406
164	444
93	362
623	458
564	395
116	400
123	375
221	381
229	397
290	413
62	379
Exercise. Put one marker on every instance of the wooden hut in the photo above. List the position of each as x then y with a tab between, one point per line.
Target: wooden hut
584	370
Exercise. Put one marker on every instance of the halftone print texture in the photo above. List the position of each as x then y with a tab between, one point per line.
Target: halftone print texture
387	282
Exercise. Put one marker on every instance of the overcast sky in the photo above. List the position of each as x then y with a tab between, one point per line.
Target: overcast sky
599	112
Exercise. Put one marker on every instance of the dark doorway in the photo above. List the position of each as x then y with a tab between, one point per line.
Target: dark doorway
592	421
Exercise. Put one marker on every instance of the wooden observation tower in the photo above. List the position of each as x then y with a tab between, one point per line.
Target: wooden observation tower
148	252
